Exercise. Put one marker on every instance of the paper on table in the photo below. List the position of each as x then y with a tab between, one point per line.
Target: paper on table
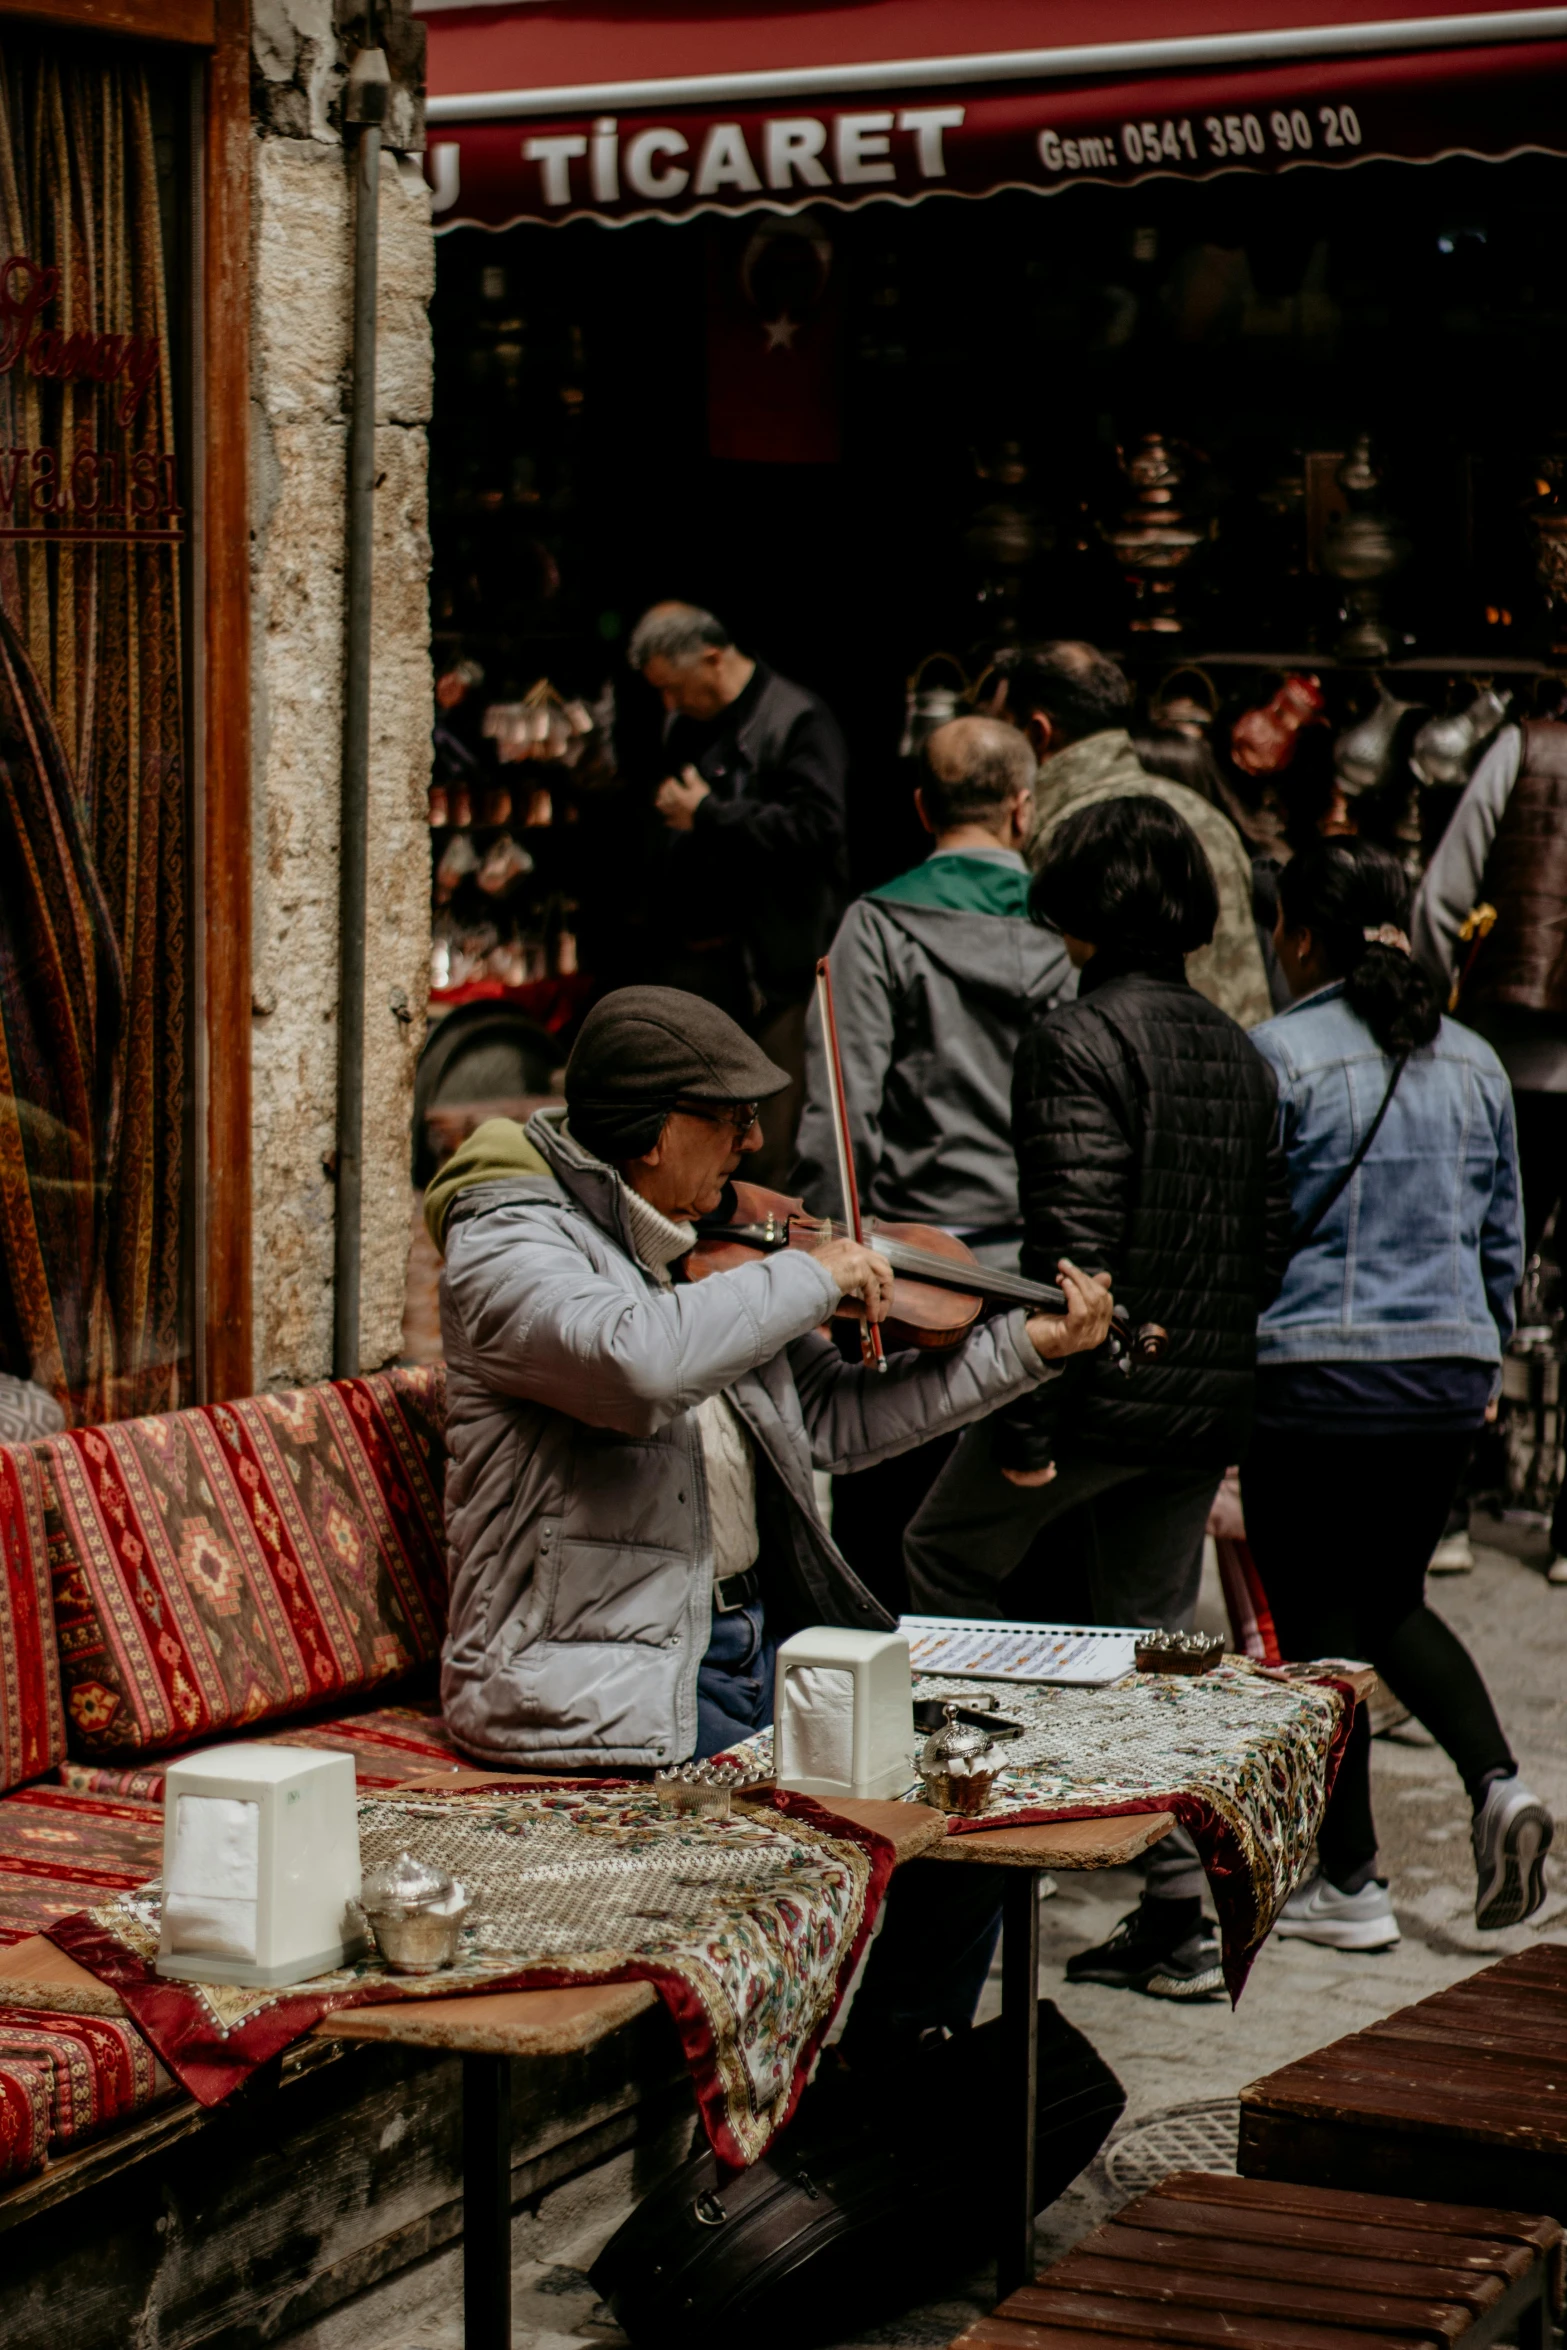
214	1880
817	1731
1074	1655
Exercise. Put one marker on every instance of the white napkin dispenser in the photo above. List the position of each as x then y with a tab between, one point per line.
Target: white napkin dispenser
260	1865
843	1713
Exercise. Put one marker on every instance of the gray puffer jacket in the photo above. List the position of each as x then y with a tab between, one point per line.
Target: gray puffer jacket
576	1508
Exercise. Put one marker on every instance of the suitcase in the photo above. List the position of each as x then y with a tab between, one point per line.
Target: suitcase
853	2210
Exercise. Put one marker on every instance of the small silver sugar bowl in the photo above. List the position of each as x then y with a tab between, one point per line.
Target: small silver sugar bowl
416	1914
957	1765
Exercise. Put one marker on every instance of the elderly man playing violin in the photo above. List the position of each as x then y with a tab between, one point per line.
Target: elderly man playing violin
630	1507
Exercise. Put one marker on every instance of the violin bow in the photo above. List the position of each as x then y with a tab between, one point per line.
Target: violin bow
871	1346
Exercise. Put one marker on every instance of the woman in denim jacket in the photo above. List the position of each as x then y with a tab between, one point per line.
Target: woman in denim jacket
1379	1358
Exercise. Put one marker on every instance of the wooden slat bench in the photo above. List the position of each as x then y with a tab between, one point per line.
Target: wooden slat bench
1463	2095
1254	2265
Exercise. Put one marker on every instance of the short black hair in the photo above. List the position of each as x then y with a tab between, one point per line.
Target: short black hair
1080	689
1130	876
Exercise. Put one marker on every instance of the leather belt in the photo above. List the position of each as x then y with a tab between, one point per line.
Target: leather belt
736	1591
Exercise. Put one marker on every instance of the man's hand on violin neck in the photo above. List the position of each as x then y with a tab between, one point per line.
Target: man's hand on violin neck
859	1272
1086	1322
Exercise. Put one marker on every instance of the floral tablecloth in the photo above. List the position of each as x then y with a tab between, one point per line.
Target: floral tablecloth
749	1928
1244	1757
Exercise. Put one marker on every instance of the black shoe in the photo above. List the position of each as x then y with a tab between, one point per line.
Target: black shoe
1141	1956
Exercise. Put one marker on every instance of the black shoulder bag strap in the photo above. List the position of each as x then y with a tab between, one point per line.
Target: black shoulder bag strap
1341	1183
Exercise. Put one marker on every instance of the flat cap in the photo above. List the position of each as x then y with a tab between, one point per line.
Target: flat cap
641	1050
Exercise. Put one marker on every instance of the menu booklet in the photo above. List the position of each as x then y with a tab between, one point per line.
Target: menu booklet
1076	1656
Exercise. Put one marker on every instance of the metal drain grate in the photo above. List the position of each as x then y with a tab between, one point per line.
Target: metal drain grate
1184	2137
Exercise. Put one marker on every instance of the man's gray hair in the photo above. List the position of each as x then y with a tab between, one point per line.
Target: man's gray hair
677	633
973	768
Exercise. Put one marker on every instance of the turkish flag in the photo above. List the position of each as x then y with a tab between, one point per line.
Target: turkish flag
774	336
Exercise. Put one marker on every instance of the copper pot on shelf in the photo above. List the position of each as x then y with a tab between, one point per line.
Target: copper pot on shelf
1182	709
1262	741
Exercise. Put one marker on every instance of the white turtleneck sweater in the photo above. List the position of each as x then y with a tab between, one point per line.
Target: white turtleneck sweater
727	1457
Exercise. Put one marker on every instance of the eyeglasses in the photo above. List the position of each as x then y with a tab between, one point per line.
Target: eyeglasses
740	1115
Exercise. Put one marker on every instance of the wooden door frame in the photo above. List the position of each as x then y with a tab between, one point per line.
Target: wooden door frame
217	34
225	1364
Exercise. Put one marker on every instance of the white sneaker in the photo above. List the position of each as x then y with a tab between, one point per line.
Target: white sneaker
1319	1912
1556	1572
1511	1834
1453	1555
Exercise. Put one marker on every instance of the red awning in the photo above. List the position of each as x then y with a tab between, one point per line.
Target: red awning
657	116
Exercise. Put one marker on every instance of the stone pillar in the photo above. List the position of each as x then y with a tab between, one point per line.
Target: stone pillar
301	354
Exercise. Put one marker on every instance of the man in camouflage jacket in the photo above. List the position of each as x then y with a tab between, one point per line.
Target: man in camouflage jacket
1074	704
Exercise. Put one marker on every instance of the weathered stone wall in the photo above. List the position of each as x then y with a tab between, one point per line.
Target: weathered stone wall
303	226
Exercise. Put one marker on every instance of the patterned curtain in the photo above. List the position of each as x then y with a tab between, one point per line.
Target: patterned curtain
92	785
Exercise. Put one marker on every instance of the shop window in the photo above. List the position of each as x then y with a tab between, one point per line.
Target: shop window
94	984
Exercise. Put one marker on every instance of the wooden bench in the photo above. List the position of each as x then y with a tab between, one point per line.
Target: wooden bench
1256	2265
1463	2095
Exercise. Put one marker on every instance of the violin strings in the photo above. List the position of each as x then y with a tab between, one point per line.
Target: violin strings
946	1272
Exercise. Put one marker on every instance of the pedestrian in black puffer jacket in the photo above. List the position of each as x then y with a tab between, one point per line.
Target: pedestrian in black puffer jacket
1145	1129
1145	1126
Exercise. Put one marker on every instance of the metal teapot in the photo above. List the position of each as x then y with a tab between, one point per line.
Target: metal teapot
957	1765
1156	536
1363	548
1447	748
1187	702
1363	753
416	1914
926	707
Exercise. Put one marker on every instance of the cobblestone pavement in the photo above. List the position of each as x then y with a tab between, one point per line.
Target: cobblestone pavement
1168	2057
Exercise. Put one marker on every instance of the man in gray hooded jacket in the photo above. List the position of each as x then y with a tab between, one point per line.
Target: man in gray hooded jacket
935	977
630	1511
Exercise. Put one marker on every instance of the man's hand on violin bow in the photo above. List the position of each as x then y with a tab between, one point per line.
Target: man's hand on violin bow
859	1272
1086	1322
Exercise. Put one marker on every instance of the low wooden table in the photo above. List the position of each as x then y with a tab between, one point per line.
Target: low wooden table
1205	2259
488	2031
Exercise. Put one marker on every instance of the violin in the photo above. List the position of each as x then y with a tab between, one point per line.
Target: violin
939	1287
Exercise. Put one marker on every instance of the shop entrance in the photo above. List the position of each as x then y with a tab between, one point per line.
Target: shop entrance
867	437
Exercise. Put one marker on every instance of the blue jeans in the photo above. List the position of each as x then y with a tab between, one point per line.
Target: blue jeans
734	1687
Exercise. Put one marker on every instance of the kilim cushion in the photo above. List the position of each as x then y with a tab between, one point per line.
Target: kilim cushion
235	1563
98	2068
61	1852
24	2116
389	1744
32	1720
